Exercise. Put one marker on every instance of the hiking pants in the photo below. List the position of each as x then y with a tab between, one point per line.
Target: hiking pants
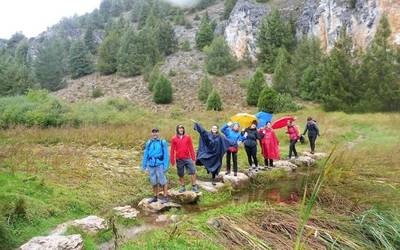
312	140
252	155
268	162
232	155
292	148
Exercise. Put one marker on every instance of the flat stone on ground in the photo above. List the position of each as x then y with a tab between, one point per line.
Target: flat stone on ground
209	187
187	197
91	224
54	242
303	161
316	156
286	165
239	181
156	206
127	212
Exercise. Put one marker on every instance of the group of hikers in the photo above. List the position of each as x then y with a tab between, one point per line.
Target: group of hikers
212	148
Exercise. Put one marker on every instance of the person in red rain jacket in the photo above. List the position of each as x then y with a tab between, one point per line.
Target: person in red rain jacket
269	145
294	136
182	150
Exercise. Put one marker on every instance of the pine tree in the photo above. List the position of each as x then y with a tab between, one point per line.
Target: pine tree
255	86
154	76
162	91
219	60
108	53
80	61
228	6
21	53
273	34
282	79
214	101
379	74
205	34
137	50
268	100
89	40
338	83
167	42
205	89
48	65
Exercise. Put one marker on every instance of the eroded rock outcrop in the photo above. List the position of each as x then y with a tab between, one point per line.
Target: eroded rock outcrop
54	242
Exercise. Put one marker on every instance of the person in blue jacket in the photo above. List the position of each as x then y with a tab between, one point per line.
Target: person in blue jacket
156	163
232	132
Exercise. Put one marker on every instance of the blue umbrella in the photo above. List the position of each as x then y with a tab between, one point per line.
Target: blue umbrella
263	118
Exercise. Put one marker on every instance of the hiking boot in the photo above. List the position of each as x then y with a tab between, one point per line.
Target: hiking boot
235	174
256	169
182	189
227	173
213	182
195	189
164	200
153	199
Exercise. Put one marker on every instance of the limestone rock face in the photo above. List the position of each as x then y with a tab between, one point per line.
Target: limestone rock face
54	242
156	207
91	224
187	197
239	181
325	19
242	27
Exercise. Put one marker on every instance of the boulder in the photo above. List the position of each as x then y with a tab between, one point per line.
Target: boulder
187	197
127	212
91	224
162	218
286	165
239	181
209	187
316	156
303	161
156	207
54	242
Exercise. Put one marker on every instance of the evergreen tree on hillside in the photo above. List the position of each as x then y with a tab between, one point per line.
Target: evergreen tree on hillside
167	42
274	33
89	40
21	53
154	76
307	60
15	78
255	86
219	60
80	61
283	80
162	91
205	34
48	65
137	49
268	100
214	101
379	73
108	51
339	88
205	89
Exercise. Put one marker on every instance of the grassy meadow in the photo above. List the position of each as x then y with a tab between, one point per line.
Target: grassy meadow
88	161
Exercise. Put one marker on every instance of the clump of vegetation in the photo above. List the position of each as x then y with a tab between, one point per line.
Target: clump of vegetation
97	92
205	89
254	87
162	91
228	6
185	46
214	101
219	60
6	240
205	34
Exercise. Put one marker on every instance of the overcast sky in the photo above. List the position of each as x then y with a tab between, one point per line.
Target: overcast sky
34	16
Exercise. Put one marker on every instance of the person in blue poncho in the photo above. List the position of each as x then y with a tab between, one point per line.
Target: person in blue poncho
232	132
156	163
212	147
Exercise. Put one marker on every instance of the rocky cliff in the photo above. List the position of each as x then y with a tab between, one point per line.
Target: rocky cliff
325	19
320	18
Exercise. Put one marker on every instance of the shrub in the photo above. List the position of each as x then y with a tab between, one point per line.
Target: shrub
214	101
219	60
205	89
205	34
285	103
254	87
97	92
153	77
185	46
6	240
268	100
162	91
